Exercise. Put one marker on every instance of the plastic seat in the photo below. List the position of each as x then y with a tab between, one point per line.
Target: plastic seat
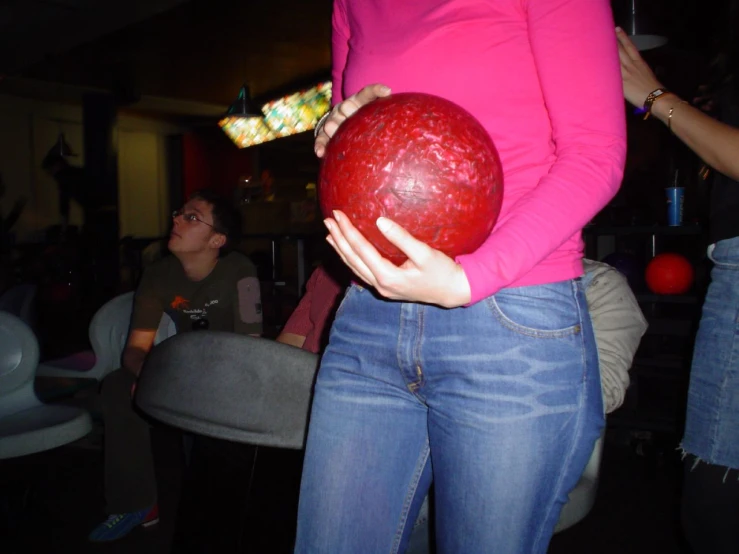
108	333
582	497
20	300
27	425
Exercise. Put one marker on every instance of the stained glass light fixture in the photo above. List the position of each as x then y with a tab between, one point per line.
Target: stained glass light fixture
298	112
288	115
243	124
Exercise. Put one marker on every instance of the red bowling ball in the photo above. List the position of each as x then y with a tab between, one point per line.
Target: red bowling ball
669	274
420	160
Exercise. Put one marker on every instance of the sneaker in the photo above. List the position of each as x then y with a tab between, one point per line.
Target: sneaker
118	526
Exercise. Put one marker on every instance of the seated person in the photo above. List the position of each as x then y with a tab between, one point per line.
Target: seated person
618	325
201	286
309	324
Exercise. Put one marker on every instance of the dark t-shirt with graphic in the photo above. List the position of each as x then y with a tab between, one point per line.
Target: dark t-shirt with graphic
226	300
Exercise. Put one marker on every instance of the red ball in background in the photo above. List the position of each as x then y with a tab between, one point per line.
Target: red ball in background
669	273
420	160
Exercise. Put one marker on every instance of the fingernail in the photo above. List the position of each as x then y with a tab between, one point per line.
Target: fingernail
383	224
385	89
618	29
337	217
327	223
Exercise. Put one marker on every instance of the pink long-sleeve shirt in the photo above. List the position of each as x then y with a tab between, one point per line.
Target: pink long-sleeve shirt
542	76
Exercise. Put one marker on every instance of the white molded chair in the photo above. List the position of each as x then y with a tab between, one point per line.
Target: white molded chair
582	497
20	300
108	333
27	425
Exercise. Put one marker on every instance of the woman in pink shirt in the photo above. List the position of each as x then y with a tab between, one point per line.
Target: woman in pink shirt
479	373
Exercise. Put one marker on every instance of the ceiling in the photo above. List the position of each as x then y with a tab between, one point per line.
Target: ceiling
189	57
179	56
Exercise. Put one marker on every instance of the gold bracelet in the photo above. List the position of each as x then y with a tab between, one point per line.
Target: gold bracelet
651	97
669	115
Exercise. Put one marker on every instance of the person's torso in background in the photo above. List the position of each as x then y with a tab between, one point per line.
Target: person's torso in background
207	304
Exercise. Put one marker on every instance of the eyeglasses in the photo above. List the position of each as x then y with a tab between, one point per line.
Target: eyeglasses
189	217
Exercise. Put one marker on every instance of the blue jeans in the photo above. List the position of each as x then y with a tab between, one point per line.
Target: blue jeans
712	419
499	402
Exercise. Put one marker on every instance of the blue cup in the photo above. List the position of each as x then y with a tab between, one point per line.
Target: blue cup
675	202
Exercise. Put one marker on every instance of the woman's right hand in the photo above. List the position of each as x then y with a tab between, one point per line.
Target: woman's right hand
345	109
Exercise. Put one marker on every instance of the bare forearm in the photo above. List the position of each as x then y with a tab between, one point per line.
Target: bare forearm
714	142
292	339
133	360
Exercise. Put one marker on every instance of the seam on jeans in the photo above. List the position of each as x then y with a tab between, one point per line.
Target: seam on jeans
412	489
728	372
578	429
724	247
417	349
508	323
413	386
399	354
342	304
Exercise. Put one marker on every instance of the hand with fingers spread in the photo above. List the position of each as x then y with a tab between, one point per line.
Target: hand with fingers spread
428	275
345	109
639	80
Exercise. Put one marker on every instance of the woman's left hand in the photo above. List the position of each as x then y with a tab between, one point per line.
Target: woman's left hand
638	78
428	275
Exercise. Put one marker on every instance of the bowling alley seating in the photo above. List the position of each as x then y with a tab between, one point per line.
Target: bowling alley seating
254	390
258	391
27	425
20	300
582	497
108	333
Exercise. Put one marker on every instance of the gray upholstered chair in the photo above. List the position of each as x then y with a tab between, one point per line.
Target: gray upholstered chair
230	386
257	391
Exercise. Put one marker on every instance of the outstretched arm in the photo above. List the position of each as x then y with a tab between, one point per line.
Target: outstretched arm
714	142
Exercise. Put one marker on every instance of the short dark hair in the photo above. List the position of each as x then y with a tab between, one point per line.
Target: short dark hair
226	218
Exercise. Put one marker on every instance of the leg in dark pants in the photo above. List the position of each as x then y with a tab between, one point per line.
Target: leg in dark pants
211	517
710	508
130	482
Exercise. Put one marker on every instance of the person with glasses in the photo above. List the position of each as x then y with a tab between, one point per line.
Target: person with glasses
202	285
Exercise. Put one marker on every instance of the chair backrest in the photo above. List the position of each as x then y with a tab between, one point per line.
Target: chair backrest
108	333
167	328
230	386
19	354
19	300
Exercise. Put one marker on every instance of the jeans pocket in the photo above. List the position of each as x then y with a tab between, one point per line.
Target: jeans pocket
725	253
353	288
544	311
